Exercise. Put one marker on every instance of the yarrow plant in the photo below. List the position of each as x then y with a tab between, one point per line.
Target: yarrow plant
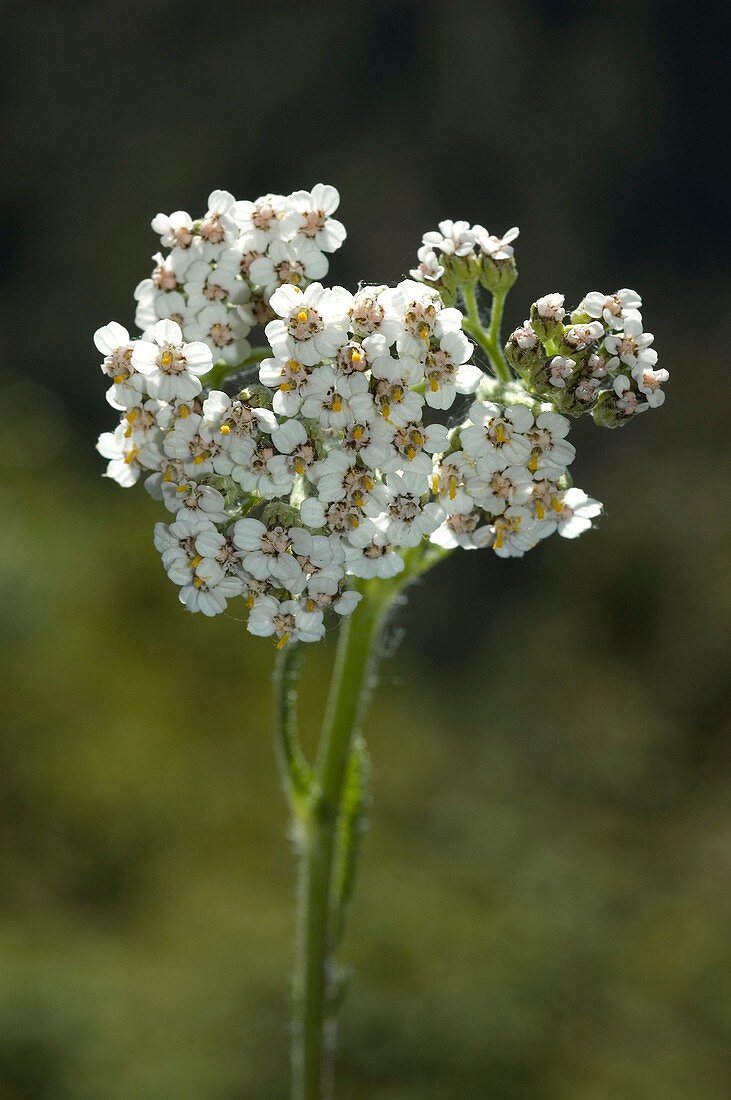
310	478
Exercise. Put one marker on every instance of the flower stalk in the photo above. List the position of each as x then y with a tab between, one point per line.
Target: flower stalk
488	339
328	804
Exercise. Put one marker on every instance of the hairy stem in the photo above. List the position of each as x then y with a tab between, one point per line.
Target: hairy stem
488	339
472	323
296	773
328	804
497	357
318	918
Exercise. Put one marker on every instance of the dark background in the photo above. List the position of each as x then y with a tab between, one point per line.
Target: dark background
544	899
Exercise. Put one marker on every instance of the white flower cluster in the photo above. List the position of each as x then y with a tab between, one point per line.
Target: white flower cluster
596	360
333	463
220	270
458	247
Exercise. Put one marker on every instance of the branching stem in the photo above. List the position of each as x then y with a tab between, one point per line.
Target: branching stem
488	339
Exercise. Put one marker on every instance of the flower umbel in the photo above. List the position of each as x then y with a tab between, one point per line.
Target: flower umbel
309	462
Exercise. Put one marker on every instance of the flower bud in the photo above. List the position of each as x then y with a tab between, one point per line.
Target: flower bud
498	275
258	397
546	317
458	271
606	413
280	514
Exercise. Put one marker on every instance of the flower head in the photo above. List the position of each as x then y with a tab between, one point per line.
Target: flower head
375	426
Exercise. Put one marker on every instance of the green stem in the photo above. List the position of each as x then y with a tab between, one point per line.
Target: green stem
497	357
329	818
318	922
295	772
488	339
472	323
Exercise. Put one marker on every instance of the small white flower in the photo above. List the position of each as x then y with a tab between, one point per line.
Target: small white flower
497	437
525	337
154	304
337	477
206	285
326	397
346	603
175	230
497	491
551	307
354	358
418	311
126	457
113	342
261	222
409	516
392	393
287	620
513	533
580	337
194	499
587	390
258	467
552	452
369	438
212	545
313	220
217	229
611	308
186	443
630	346
211	590
294	262
340	517
368	316
463	529
313	323
288	378
266	552
291	439
497	248
628	403
239	421
559	370
649	383
414	444
223	330
226	418
452	238
448	372
368	552
571	514
176	544
577	512
449	480
172	368
429	269
320	558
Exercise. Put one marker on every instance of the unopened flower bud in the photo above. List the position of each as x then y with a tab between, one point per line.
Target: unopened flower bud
498	274
610	411
280	514
546	317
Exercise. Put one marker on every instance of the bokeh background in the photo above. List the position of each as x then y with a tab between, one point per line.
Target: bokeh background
544	899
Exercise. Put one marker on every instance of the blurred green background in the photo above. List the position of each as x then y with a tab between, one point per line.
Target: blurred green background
544	900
